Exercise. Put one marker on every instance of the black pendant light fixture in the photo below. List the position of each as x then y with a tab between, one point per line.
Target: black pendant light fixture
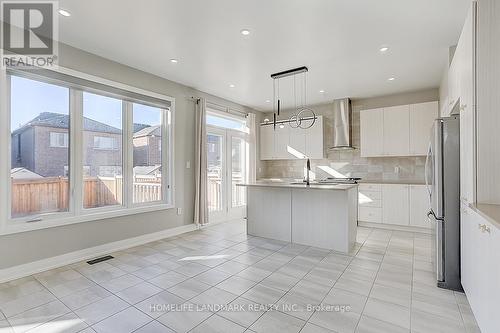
303	117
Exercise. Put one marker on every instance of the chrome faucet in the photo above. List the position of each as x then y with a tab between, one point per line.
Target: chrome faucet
308	167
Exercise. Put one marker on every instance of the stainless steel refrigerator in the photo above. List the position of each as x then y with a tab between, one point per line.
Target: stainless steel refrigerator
442	175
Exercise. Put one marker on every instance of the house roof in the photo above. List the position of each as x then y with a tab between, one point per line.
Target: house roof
147	131
23	173
138	127
57	120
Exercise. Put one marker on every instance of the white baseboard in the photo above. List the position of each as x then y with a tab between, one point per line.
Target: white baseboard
16	272
395	227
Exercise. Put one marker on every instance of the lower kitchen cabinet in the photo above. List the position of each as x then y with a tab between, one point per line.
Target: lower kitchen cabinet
480	272
396	204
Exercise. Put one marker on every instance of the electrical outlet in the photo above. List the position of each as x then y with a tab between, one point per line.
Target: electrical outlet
397	169
179	211
188	165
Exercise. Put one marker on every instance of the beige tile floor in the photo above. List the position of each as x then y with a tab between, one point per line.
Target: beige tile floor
218	279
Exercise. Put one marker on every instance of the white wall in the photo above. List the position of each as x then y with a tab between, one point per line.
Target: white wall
30	246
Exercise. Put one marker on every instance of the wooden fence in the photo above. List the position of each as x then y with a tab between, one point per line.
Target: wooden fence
32	196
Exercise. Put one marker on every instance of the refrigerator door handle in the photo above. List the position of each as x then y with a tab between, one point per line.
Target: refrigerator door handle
428	172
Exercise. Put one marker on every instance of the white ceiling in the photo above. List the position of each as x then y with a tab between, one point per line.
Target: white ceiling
338	40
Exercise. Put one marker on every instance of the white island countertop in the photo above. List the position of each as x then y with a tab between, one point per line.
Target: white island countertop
314	186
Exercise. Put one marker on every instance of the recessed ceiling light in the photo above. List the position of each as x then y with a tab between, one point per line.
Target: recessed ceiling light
282	126
64	12
174	61
266	120
321	91
232	86
391	79
245	32
268	101
384	49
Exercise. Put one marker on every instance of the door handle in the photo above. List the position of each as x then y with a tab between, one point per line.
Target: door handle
431	214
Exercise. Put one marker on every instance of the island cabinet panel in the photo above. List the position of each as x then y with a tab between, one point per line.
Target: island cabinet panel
315	224
269	213
323	216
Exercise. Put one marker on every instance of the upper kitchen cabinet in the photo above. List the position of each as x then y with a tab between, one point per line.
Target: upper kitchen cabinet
453	82
397	131
372	132
266	142
281	142
289	143
467	108
421	117
314	140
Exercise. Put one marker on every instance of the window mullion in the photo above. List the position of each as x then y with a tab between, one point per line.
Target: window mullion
128	154
76	151
5	198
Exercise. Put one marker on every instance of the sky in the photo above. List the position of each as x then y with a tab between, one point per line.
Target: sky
29	98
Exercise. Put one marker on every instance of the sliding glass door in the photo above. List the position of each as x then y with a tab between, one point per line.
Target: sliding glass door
227	157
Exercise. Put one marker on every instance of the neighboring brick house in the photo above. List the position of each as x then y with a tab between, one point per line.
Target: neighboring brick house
147	146
41	146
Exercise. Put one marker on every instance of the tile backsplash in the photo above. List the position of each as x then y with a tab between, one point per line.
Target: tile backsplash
347	163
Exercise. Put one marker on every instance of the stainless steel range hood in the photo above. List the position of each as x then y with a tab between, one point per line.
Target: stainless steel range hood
342	124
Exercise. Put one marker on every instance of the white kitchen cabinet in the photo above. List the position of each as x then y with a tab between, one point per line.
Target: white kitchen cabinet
422	116
453	82
467	111
266	142
314	140
370	203
402	130
480	272
419	206
281	142
443	94
395	204
297	143
289	143
372	132
396	129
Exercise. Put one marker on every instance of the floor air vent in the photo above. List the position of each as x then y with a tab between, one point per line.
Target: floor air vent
95	261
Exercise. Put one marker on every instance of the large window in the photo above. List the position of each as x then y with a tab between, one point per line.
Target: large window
102	150
81	148
147	153
39	124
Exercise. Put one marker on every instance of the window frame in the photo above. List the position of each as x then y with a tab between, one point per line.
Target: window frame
76	212
65	138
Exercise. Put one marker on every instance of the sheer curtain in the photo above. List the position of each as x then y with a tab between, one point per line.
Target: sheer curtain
201	194
252	147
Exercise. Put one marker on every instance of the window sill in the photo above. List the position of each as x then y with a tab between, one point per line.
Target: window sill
13	227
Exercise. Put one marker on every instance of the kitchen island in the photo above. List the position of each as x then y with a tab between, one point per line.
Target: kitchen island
319	215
